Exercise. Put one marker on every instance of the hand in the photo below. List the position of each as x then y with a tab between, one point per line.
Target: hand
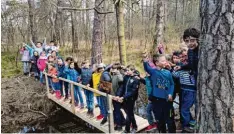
177	68
120	99
75	60
137	77
24	44
32	61
88	85
170	97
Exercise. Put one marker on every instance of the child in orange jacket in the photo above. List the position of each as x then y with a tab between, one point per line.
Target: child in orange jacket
52	71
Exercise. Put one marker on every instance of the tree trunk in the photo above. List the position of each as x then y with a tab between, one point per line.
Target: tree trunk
176	11
74	32
129	20
32	20
215	93
159	24
97	36
183	12
58	23
120	26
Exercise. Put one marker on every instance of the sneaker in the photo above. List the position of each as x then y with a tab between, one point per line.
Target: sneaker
103	121
91	115
151	127
118	128
87	114
100	117
125	132
134	130
188	130
65	99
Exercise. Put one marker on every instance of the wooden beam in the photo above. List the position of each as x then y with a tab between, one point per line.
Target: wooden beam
47	85
73	98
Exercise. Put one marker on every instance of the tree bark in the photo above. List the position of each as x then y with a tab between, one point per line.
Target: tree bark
159	24
215	93
32	20
74	32
97	36
176	11
120	26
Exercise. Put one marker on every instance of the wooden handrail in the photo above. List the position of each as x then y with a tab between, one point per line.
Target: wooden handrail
80	85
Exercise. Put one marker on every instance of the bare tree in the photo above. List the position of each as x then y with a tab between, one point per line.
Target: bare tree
32	23
216	67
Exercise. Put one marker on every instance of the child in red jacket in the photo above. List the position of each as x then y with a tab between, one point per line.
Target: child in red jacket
41	64
52	71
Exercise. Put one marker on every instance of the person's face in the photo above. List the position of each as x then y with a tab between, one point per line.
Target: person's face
35	53
43	54
86	65
50	51
100	70
51	58
175	59
38	45
51	43
191	42
72	65
115	70
184	53
161	62
50	67
60	62
53	53
129	71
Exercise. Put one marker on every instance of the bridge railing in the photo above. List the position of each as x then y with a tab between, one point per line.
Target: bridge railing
72	83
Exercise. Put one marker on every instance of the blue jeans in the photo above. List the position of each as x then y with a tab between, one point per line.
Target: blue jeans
41	77
56	86
188	99
118	115
103	106
89	99
26	66
51	83
77	93
149	110
99	101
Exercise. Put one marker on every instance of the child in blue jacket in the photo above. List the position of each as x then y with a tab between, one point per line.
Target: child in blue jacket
73	75
162	92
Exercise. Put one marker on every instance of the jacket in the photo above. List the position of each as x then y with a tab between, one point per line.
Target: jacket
61	72
104	77
129	89
71	73
162	82
116	80
25	55
53	71
41	63
86	75
34	64
95	81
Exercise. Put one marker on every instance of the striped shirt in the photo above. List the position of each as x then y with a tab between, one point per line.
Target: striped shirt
187	81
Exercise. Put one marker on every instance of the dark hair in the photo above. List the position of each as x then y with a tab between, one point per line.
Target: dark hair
39	42
76	67
116	66
52	41
176	53
193	32
69	58
156	57
131	67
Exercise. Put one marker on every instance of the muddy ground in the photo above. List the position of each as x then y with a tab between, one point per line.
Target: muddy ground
24	103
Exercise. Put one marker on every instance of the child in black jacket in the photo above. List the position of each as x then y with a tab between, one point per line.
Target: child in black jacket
128	95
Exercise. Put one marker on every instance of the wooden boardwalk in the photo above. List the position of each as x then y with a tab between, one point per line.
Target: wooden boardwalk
106	128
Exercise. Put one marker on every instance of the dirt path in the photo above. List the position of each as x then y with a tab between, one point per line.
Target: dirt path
23	102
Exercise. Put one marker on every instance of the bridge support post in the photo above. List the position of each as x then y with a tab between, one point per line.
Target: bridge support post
110	113
73	99
47	85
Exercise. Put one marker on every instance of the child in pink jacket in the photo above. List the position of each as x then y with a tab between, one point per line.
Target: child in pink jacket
41	64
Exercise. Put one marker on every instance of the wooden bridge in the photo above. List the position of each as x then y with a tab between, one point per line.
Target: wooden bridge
107	127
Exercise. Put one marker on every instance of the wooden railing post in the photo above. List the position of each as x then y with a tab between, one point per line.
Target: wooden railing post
73	99
110	113
47	85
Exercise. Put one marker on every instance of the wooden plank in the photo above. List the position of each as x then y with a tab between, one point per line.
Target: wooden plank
47	85
141	122
73	98
110	113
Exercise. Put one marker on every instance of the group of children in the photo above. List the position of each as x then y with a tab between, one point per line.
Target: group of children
165	77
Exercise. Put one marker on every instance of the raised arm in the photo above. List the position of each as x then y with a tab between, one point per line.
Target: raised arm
44	43
147	68
34	46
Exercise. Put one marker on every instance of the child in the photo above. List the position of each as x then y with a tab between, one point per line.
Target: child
128	94
61	66
94	84
37	47
41	64
25	59
34	67
54	54
73	75
106	78
54	73
86	76
117	81
49	51
161	95
187	82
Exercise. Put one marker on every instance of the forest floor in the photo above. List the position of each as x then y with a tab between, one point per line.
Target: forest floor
24	103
